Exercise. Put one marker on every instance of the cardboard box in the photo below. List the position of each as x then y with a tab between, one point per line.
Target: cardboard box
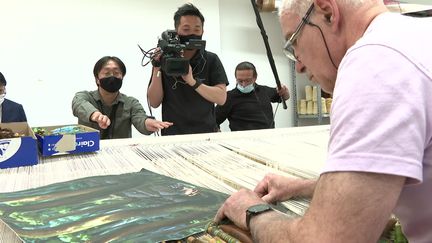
22	151
82	142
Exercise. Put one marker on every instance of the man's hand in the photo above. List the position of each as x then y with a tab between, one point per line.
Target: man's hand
188	78
153	125
276	188
236	205
102	120
156	58
283	92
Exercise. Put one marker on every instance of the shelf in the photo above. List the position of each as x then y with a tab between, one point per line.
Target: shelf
312	116
307	119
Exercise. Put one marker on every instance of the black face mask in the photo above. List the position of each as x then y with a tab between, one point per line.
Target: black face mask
186	38
111	84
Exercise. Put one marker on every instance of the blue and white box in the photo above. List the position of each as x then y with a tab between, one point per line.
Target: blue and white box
87	140
20	151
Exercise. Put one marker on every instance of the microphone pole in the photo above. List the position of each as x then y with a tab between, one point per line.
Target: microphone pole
267	46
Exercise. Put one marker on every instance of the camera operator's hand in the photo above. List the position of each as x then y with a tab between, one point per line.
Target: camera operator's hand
156	57
188	78
102	120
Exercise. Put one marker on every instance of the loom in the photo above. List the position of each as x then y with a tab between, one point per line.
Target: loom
223	162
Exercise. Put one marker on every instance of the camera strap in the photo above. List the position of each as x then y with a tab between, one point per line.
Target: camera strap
199	65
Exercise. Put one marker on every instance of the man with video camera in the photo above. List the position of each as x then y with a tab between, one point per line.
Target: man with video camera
188	91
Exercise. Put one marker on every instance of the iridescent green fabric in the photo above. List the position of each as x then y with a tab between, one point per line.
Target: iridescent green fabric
135	207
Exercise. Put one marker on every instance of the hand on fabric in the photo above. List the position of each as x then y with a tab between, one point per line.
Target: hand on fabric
102	120
188	78
276	188
153	125
234	208
283	92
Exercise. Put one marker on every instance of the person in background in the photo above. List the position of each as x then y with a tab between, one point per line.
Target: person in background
110	111
378	67
189	101
9	111
248	106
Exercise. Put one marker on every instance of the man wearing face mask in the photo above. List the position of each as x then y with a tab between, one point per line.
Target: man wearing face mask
248	106
110	111
188	101
9	110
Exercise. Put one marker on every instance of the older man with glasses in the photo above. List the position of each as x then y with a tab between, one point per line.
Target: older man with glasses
378	67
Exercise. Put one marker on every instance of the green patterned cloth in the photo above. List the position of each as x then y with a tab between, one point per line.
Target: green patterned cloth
135	207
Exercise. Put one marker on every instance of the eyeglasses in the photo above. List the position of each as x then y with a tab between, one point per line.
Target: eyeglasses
244	82
108	73
288	47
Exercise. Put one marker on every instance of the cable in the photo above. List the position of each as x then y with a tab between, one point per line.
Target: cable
156	134
272	123
150	54
325	43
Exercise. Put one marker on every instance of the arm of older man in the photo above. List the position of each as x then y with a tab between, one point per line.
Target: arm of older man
346	206
277	188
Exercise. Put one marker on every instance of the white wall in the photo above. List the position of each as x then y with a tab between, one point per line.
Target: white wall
48	48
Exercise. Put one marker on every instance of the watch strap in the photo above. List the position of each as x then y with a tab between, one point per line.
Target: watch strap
256	210
197	84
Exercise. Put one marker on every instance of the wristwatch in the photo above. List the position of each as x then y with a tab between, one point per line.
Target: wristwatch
256	210
197	84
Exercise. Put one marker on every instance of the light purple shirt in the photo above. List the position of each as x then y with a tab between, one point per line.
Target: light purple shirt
381	116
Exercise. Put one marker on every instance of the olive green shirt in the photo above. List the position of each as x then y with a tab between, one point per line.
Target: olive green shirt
128	111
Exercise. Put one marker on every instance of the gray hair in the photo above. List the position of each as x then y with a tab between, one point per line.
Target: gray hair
300	7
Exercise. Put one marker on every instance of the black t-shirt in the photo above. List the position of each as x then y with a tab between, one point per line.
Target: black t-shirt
185	107
248	111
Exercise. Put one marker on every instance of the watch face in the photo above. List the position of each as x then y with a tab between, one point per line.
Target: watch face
259	208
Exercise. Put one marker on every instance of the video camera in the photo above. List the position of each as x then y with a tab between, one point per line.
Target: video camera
172	61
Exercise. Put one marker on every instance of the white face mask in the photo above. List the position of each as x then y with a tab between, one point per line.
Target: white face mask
247	89
2	97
